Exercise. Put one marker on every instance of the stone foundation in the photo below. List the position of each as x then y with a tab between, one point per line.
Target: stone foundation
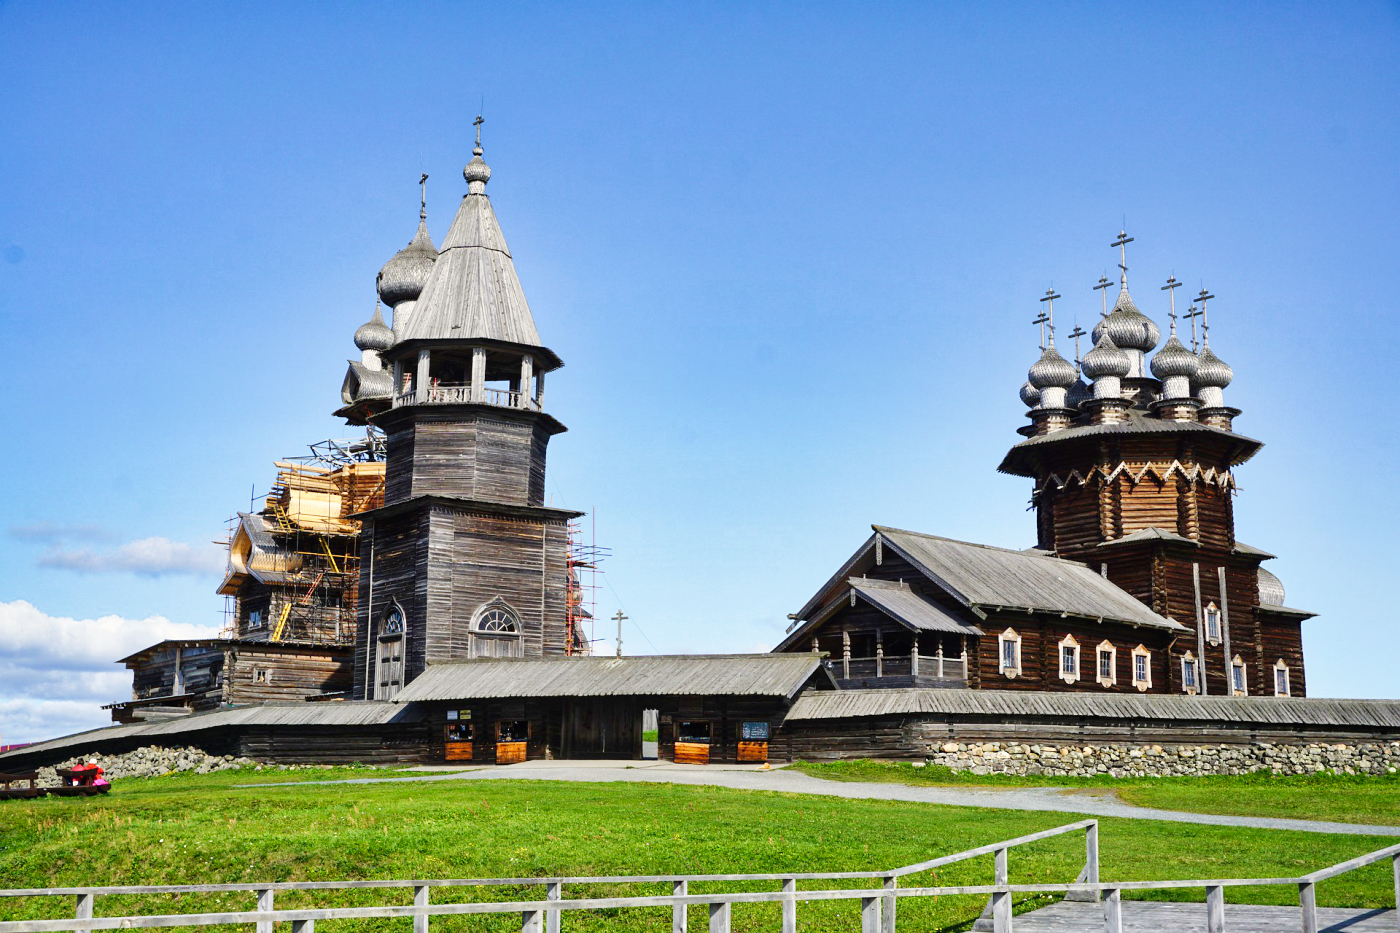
1119	760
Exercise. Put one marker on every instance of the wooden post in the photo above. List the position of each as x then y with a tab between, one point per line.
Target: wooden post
939	655
879	653
539	391
719	918
891	882
478	374
532	921
790	905
420	899
1215	909
84	911
679	911
1225	636
845	654
914	658
178	688
265	903
1001	900
870	915
1307	899
1395	867
1113	911
527	373
420	380
303	926
553	891
816	648
1091	855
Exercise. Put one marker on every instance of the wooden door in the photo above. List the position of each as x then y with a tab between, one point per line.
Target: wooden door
389	667
603	728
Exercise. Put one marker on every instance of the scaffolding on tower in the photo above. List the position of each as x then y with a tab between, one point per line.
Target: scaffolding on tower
581	584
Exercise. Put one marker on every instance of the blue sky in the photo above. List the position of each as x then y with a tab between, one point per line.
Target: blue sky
789	252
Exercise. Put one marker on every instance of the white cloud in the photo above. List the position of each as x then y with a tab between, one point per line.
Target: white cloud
56	531
149	557
56	672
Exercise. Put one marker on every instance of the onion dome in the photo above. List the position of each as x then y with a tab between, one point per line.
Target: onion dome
477	173
1129	328
403	277
1078	394
1212	371
1030	395
1106	359
1270	589
1174	360
374	334
1052	371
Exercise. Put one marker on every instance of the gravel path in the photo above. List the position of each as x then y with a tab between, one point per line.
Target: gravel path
743	777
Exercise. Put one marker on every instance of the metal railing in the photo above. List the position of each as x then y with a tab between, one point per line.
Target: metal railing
877	904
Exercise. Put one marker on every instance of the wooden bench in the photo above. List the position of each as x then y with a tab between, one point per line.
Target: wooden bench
8	790
78	782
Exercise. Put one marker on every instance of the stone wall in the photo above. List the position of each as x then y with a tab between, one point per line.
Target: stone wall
149	762
1121	760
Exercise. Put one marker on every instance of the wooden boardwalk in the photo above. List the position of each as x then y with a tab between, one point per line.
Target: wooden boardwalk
1157	917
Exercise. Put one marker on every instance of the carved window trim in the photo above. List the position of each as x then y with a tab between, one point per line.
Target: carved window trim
1212	613
496	619
1009	641
1142	668
1106	648
1069	651
1239	677
1283	678
1190	674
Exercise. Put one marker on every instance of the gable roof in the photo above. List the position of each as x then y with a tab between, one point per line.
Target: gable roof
984	577
896	600
775	675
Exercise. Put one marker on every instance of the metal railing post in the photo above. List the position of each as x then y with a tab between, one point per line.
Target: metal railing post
532	921
553	891
891	882
1001	900
84	909
870	915
679	911
1215	909
1113	911
420	899
719	917
1307	900
264	904
790	905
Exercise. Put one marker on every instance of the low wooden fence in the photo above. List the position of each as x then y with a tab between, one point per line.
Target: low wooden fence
878	905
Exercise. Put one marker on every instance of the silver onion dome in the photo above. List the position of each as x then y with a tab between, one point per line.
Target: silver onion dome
1078	394
374	334
403	277
476	171
1212	371
1129	328
1052	371
1106	359
1175	360
1270	589
1030	395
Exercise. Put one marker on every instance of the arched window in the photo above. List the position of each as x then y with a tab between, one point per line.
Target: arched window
495	631
389	653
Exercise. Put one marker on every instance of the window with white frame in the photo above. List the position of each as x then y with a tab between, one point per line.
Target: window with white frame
1190	674
1010	652
1069	659
1107	664
1213	624
1142	667
1281	687
1238	684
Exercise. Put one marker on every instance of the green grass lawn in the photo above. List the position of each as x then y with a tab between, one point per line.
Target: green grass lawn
202	829
1342	798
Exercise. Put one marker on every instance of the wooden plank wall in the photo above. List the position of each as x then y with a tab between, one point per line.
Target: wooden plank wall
254	676
394	546
493	455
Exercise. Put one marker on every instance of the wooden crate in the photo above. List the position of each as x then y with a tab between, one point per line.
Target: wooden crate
459	751
753	751
692	753
509	753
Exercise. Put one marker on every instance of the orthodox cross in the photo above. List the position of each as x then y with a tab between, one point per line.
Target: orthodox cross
1193	313
1205	318
620	619
1103	284
1170	289
477	123
423	200
1075	335
1122	244
1050	297
1041	319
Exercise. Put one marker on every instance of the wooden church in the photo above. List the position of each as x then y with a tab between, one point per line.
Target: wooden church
1137	582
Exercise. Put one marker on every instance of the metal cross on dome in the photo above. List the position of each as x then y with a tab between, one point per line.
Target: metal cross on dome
1049	298
1075	335
1041	319
1103	284
1203	297
1192	314
423	197
477	123
1122	244
1170	288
